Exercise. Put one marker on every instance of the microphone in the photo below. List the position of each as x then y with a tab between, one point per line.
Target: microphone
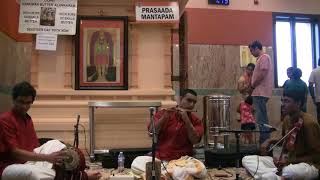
152	110
268	126
152	125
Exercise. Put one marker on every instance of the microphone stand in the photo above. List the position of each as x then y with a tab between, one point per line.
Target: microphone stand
76	133
154	143
237	134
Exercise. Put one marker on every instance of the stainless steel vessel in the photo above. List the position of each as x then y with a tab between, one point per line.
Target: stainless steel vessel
216	117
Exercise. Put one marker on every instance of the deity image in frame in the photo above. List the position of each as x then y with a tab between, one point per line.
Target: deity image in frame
102	53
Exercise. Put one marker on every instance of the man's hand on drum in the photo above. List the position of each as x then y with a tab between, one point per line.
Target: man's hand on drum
93	174
57	157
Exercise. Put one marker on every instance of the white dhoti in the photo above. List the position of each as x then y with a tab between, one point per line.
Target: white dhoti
34	170
262	167
300	171
259	165
27	172
181	169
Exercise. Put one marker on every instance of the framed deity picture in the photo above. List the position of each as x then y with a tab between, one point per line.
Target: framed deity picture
101	53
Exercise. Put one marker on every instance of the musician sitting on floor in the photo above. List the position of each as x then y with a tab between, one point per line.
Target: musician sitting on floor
300	156
18	140
178	129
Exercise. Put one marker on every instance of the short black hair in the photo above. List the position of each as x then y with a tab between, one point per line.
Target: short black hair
256	44
290	68
183	92
23	89
251	65
296	95
249	100
296	73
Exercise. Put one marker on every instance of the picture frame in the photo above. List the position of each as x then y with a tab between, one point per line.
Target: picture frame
101	57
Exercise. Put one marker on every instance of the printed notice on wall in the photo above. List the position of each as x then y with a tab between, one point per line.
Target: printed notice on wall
46	42
48	16
157	12
246	57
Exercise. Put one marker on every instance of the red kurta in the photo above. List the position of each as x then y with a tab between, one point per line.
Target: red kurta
15	132
173	141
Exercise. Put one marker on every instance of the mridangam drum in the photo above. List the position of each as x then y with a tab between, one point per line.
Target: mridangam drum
73	167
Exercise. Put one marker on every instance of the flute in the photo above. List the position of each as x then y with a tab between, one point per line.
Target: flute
179	109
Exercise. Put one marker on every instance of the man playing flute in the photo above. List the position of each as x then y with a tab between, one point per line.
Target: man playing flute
178	129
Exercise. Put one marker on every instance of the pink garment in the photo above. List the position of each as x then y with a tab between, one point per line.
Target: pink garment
101	59
246	115
264	87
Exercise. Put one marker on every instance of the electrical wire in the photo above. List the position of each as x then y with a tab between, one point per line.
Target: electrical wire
165	168
257	167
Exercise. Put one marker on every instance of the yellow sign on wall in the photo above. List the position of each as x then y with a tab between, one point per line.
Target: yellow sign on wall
246	57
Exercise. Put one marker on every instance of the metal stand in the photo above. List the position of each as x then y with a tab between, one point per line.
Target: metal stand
111	104
237	134
154	143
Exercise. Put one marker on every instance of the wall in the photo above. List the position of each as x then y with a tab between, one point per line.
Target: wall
153	40
15	60
15	52
9	21
53	69
228	27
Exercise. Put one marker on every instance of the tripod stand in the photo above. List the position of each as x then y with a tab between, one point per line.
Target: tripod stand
154	143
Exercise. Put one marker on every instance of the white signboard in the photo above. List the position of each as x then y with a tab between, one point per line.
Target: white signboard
154	13
46	42
48	16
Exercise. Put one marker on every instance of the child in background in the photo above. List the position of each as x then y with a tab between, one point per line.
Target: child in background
247	119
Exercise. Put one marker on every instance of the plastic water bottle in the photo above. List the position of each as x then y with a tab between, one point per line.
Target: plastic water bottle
121	159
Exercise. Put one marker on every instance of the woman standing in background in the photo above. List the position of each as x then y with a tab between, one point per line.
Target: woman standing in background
244	82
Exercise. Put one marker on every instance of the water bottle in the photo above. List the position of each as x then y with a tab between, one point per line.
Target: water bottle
121	162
